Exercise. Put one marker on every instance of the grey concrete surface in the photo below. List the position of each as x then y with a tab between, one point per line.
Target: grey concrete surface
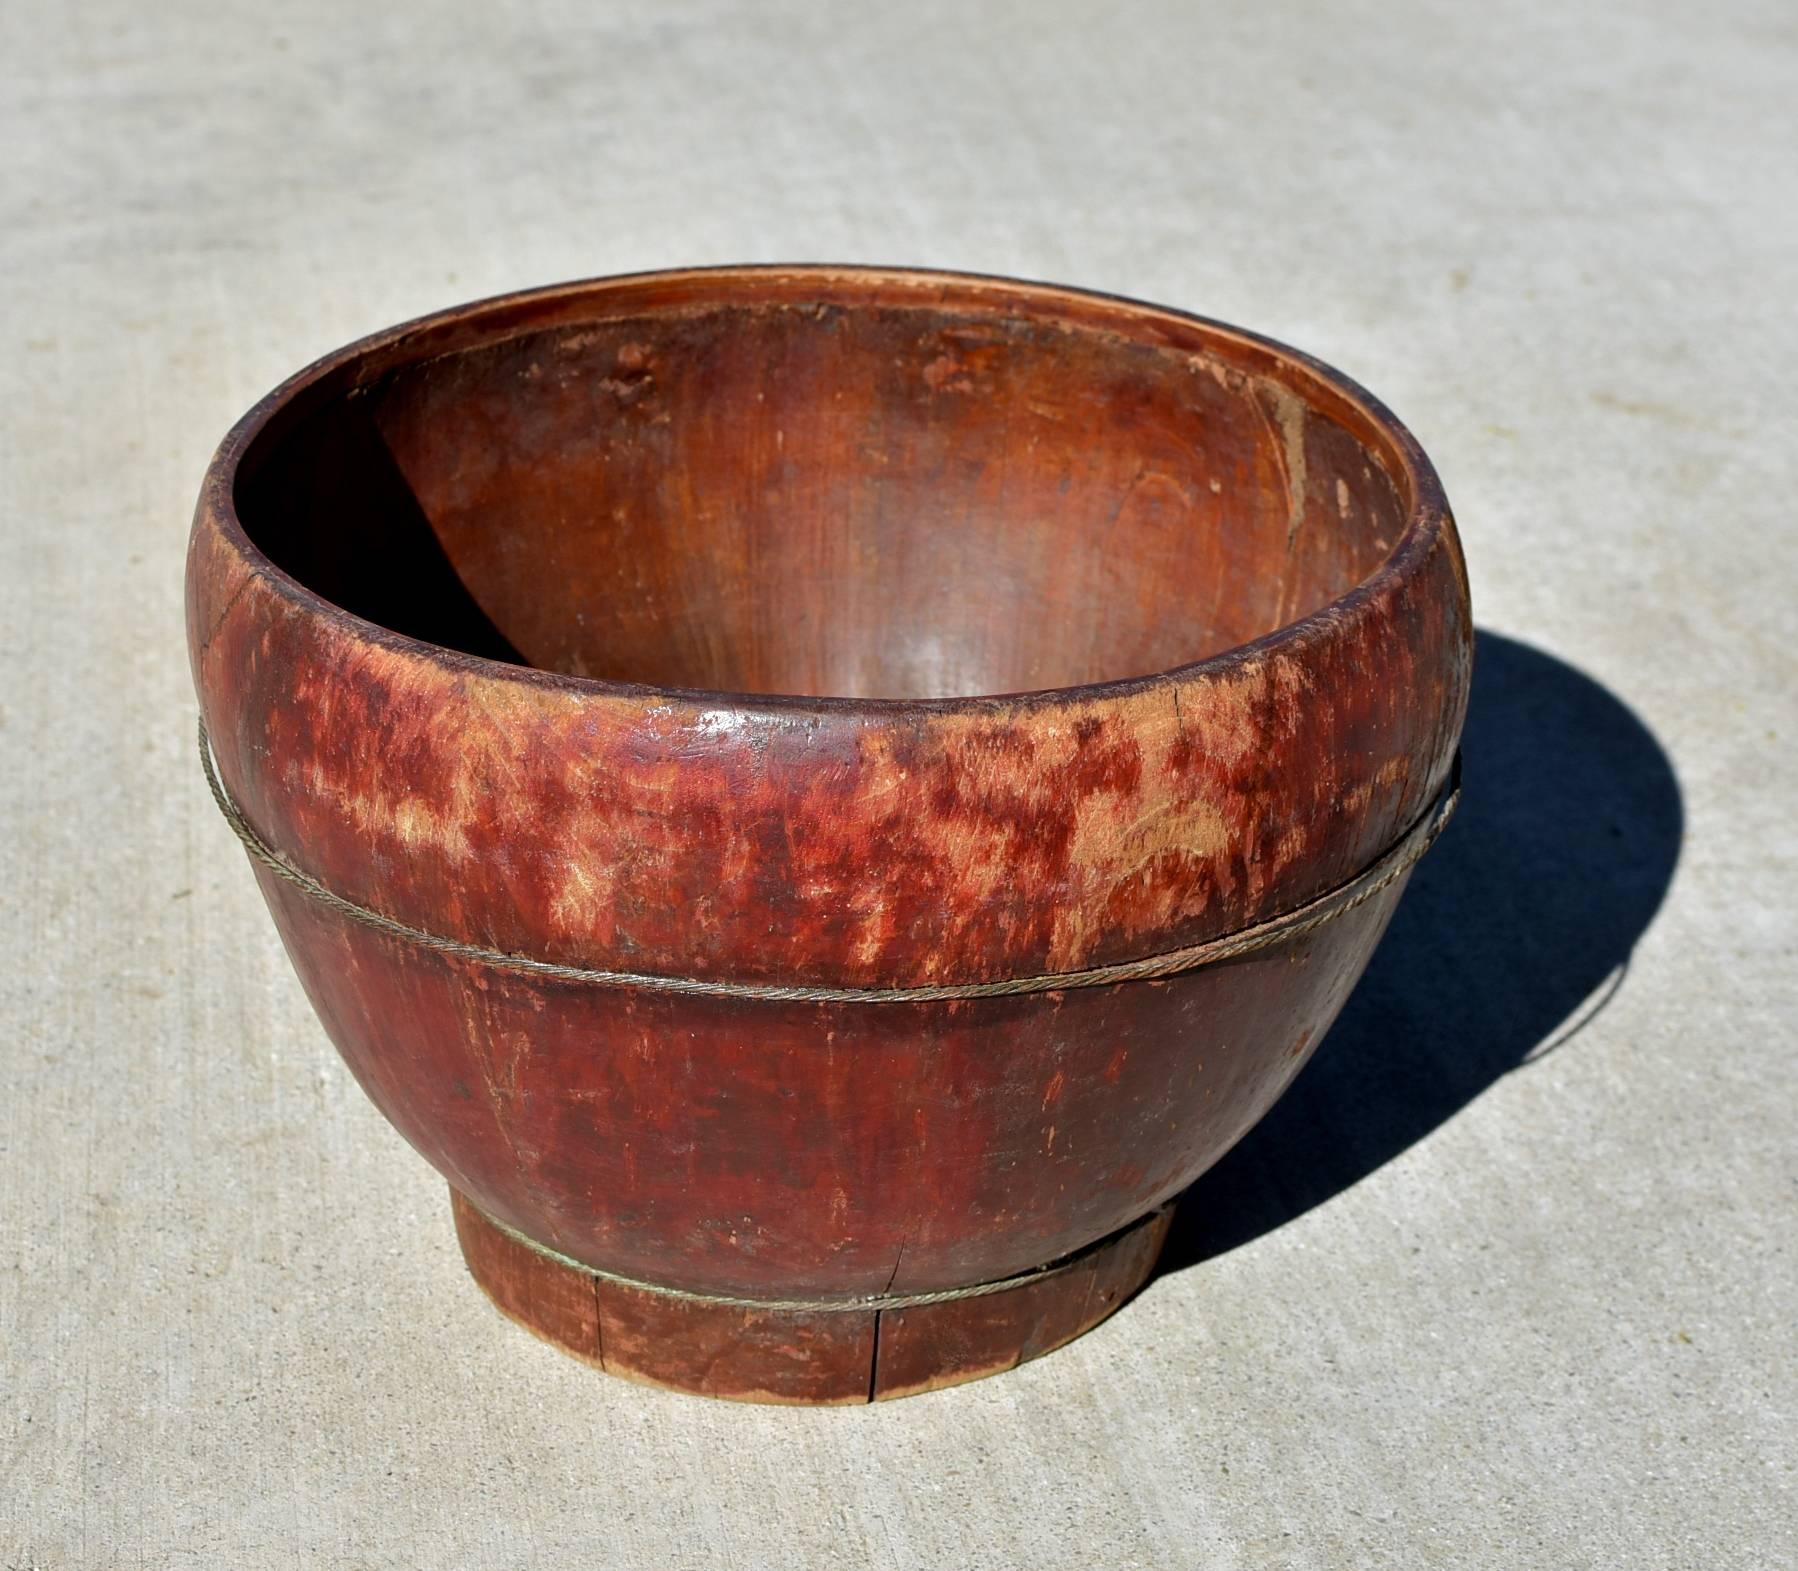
1507	1281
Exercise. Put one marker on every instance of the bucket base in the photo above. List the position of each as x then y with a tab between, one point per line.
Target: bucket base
802	1357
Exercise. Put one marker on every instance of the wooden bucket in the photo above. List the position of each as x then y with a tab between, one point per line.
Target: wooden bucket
603	679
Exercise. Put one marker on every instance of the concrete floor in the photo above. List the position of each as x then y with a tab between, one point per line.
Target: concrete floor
1508	1279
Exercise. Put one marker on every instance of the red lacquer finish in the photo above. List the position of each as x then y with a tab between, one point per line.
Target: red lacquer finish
638	625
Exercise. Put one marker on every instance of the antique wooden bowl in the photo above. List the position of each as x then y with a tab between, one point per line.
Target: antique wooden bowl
604	679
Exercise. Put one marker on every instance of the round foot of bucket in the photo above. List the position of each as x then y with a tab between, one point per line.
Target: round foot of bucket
797	1355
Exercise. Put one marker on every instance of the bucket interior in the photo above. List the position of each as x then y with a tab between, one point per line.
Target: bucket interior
894	498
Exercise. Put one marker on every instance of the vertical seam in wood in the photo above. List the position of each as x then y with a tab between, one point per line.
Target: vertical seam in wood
1084	1322
874	1360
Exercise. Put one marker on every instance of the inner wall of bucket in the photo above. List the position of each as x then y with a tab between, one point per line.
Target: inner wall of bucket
893	501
